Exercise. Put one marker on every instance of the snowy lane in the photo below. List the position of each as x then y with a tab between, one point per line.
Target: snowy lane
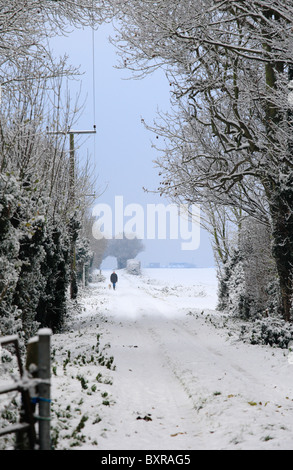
152	410
181	385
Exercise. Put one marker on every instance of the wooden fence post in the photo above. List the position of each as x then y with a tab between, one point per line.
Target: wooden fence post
44	373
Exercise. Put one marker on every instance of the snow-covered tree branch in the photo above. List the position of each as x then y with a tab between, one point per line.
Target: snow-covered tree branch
228	65
38	216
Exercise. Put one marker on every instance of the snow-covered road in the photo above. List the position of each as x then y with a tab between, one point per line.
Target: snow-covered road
181	384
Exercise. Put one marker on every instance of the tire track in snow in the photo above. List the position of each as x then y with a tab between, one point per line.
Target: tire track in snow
146	387
219	391
177	369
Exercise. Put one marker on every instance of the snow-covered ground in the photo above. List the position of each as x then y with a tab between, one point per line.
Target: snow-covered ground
152	365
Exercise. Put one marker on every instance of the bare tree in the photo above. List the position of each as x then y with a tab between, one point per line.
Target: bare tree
37	214
123	249
26	26
229	141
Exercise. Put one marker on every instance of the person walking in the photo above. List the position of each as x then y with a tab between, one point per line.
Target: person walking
114	279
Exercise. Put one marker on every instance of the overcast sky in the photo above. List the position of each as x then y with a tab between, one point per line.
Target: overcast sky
121	150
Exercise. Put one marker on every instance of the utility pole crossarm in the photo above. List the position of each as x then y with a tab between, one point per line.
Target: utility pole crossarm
72	131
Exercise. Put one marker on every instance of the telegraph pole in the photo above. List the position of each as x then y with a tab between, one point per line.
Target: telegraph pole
71	132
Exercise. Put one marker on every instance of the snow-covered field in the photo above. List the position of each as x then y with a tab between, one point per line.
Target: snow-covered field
152	365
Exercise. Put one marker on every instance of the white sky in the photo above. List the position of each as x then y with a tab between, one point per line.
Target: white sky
121	150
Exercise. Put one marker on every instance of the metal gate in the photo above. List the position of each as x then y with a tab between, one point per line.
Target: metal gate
34	386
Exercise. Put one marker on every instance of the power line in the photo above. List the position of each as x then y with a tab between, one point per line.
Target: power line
94	76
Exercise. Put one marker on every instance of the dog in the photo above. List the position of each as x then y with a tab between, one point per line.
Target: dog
109	286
